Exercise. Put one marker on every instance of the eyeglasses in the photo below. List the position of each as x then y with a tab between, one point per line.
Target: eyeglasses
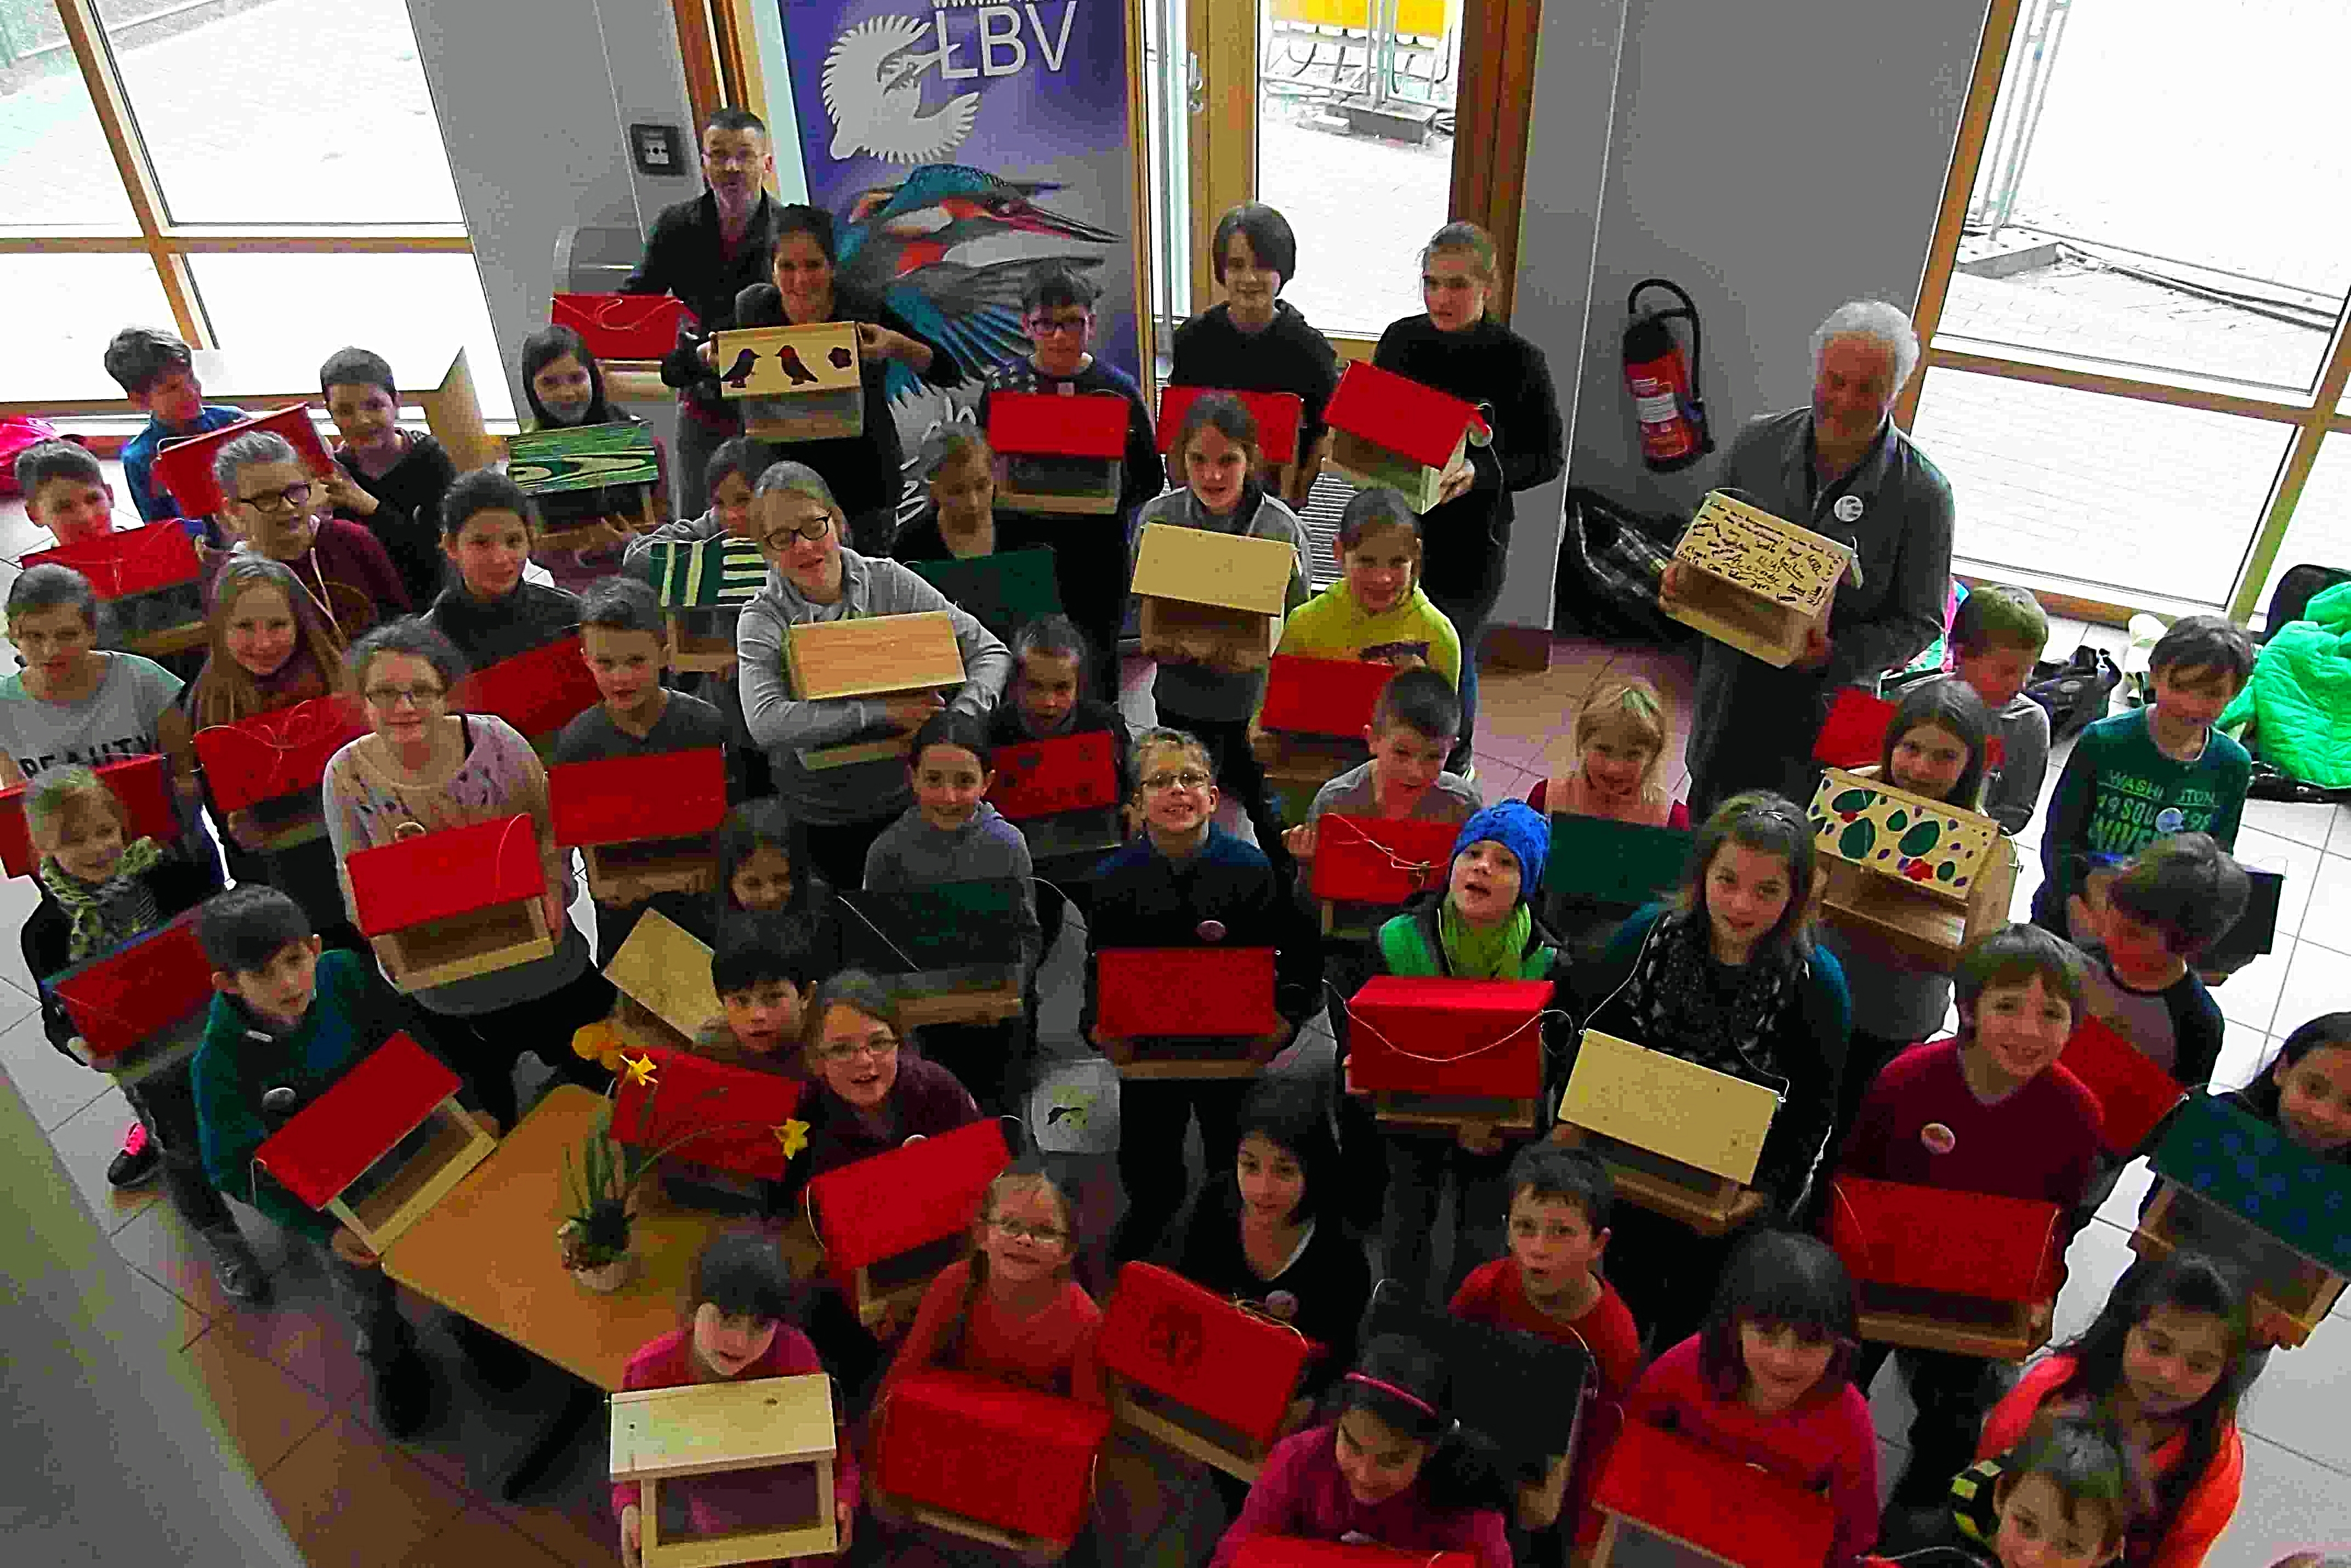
386	698
730	160
1190	779
1049	326
291	498
1045	1235
879	1048
811	532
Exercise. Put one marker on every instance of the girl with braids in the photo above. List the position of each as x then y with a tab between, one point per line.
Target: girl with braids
1391	1467
1727	975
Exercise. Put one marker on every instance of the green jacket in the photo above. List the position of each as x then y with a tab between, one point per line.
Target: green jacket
2296	710
1409	944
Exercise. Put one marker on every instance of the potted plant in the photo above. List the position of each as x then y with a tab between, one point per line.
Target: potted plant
594	1235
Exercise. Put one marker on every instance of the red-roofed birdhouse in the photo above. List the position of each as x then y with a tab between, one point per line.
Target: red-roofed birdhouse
448	905
1967	1272
989	1462
143	785
1679	1492
1390	430
623	326
1062	794
1190	1012
150	578
1204	1375
538	692
2135	1094
1279	418
1056	454
141	1007
709	1112
644	824
1432	1051
185	468
1366	868
272	763
891	1221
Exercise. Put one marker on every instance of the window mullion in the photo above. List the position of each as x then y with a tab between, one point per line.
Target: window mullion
2300	459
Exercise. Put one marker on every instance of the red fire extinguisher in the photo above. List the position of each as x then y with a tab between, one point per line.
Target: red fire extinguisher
1664	387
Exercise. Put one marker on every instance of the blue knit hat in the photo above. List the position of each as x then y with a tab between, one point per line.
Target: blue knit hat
1517	828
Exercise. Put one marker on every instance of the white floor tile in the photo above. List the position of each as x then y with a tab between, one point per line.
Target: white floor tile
2295	1402
2318	983
2304	824
2121	1208
2339	836
2289	1504
2249	997
2242	1052
2096	1261
55	1086
2327	918
2297	860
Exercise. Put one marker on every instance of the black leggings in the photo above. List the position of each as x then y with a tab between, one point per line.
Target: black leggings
166	1103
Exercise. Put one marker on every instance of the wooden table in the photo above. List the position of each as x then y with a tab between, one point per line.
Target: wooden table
437	380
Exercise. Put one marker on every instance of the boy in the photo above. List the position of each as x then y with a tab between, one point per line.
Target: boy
1048	701
388	480
1549	1283
1991	1110
2142	925
624	641
65	491
2154	771
1185	882
763	983
1997	635
1411	725
158	373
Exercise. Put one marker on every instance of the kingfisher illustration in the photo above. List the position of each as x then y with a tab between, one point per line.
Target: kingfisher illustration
739	372
874	91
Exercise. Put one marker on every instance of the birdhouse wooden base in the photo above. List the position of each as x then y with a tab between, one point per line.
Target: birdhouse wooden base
811	416
1755	582
452	1144
631	872
701	644
1911	924
160	624
1191	1058
480	942
2293	1292
1950	1322
989	1462
1371	466
719	1428
989	995
1061	485
569	530
1684	1194
1165	1421
897	1283
1177	630
1402	1108
1539	1501
1756	626
852	753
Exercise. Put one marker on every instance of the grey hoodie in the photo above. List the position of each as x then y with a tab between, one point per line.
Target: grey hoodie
784	724
913	853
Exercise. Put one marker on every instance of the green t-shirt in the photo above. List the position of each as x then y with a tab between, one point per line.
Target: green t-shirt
2118	794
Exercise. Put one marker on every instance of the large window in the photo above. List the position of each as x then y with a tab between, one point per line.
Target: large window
262	173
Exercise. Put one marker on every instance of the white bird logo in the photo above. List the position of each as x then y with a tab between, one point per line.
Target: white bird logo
874	90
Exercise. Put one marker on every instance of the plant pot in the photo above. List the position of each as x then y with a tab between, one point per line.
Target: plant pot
606	1277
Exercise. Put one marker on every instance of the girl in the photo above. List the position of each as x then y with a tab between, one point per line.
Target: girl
1621	730
490	612
2166	1360
1393	1469
764	878
1483	928
1217	445
1376	609
1727	975
97	890
1256	341
2305	1089
2065	1496
959	520
388	480
565	387
276	509
424	767
742	1312
1935	748
1460	347
870	1093
1049	700
1766	1380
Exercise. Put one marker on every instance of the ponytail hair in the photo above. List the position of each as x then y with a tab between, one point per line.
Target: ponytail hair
1405	1384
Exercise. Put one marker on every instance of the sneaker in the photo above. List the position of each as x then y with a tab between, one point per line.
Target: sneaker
139	1160
237	1270
401	1390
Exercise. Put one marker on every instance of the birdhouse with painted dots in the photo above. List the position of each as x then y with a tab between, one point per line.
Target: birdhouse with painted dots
1208	1377
1757	582
794	383
1056	454
1918	878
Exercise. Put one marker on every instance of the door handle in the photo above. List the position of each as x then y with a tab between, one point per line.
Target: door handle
1195	88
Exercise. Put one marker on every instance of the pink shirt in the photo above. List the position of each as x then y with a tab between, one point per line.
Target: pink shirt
1301	1492
1050	1351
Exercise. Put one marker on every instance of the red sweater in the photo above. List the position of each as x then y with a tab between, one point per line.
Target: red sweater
1826	1441
2038	1143
1052	1351
2202	1515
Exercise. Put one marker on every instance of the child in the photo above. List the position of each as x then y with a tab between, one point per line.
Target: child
2065	1496
1727	975
2154	771
1048	699
766	883
1482	928
565	387
1185	882
951	835
1621	732
1376	609
1413	722
1934	747
1218	444
276	509
1393	1469
1766	1381
158	373
490	612
869	1096
2140	927
2305	1087
958	519
1549	1283
764	988
1991	1111
65	491
2166	1360
625	641
1996	636
387	479
741	1322
99	888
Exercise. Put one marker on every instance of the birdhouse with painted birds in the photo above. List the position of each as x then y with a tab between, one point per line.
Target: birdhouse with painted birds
794	383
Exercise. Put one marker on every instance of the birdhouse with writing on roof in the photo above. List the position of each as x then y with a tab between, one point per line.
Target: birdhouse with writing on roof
1967	1273
1915	877
150	579
1681	1140
1757	582
873	656
644	824
703	586
1280	420
1210	1378
1056	454
448	905
794	383
1212	598
1390	431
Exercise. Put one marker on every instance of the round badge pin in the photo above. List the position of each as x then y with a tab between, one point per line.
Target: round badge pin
1210	930
2170	820
1848	508
1282	1304
1938	1138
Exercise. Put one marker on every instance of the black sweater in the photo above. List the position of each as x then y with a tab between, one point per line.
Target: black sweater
530	617
1288	356
1328	1287
176	886
407	518
684	257
1468	537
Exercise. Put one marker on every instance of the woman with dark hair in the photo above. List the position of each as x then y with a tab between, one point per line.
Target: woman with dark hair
565	387
1256	341
1393	1469
1767	1381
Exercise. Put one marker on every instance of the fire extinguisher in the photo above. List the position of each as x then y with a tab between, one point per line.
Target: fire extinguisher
1664	388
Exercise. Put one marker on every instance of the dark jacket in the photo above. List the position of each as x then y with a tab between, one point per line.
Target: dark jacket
684	258
407	518
176	886
532	616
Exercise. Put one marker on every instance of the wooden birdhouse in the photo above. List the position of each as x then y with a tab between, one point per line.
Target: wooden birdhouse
1366	868
1390	431
1435	1051
139	1008
1310	727
1062	794
663	973
1607	862
622	327
1913	875
2234	1186
582	475
1968	1273
185	468
706	1112
644	824
2134	1094
1057	454
1853	733
1298	1551
891	1222
795	383
1680	1139
703	586
878	656
989	1462
272	764
1192	1012
1281	417
1755	582
1003	592
448	905
538	692
758	1431
1668	1498
150	579
949	951
1210	598
141	785
1208	1377
382	1146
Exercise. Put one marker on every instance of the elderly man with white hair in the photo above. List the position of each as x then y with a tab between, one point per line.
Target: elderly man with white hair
1842	469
